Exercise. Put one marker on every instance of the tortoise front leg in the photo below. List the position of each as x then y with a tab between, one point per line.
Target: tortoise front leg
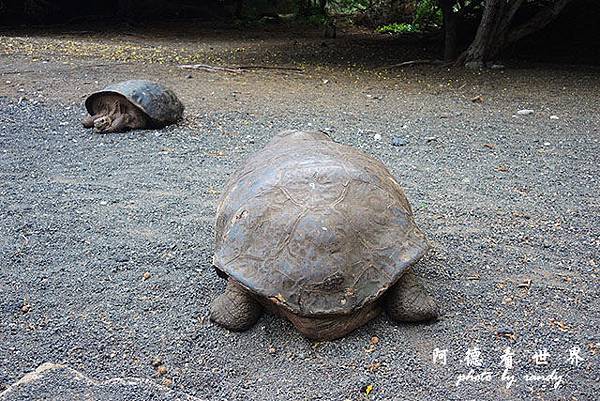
407	301
88	121
235	309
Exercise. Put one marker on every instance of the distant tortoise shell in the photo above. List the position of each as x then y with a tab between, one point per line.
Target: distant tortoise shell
315	226
159	103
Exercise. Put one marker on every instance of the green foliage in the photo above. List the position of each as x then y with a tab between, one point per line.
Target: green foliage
398	27
347	7
315	19
428	15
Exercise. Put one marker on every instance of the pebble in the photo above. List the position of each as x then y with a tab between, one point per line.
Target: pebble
377	137
504	330
525	112
553	117
399	141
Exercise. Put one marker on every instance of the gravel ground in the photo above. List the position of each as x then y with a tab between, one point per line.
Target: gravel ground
509	203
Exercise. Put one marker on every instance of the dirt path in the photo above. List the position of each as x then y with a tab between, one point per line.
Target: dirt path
509	203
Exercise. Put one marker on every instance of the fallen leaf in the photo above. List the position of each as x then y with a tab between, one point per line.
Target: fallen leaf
562	326
374	366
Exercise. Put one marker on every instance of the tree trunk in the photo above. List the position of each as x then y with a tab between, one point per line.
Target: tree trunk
494	32
450	29
239	9
487	43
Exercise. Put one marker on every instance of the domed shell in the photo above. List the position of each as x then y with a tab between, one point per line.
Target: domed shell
315	226
159	103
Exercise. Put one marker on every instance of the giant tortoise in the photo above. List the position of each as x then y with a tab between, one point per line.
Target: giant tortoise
320	233
135	104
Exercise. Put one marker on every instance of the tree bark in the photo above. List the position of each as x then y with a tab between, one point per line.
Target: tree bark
450	29
537	22
495	32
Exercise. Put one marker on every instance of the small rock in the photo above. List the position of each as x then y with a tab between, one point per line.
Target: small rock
377	137
374	340
504	330
525	112
497	67
122	258
553	117
399	141
474	65
430	139
189	76
477	99
156	362
147	275
161	370
103	203
272	350
167	382
26	308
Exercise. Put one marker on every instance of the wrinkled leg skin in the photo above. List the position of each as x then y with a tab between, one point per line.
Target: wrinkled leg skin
407	301
235	309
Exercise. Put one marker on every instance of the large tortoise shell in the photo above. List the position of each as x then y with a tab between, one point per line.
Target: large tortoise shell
159	103
315	226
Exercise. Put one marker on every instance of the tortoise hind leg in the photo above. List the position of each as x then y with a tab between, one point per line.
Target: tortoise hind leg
235	309
407	301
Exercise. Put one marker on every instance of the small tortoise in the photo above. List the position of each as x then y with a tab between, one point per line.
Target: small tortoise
128	105
319	233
